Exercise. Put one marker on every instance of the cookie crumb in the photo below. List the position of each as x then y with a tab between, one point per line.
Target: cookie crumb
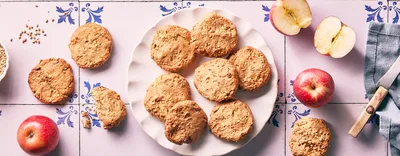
85	120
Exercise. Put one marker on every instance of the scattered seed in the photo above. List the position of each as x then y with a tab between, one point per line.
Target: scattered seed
23	41
44	34
11	40
37	26
36	6
52	20
47	21
19	37
26	26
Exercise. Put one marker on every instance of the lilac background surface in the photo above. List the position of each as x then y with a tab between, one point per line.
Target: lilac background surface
127	22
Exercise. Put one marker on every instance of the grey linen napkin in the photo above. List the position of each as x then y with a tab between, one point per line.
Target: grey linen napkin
383	48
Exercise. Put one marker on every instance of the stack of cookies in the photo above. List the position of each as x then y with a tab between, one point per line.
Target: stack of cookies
168	97
52	80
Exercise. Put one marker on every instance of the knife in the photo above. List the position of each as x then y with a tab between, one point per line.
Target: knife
384	83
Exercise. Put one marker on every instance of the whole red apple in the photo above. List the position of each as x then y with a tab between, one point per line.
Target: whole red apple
38	135
314	87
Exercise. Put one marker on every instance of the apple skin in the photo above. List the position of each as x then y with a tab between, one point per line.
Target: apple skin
272	20
314	87
38	135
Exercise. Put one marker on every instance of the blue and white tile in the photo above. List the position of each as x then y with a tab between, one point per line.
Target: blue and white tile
257	14
127	23
339	119
347	72
128	137
394	12
66	117
23	57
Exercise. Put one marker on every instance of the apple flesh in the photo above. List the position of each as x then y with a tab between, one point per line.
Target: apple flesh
289	16
334	38
38	135
314	87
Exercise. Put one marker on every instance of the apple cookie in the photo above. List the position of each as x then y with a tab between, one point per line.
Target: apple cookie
231	120
90	45
110	109
52	80
185	122
252	68
171	48
310	136
216	80
164	92
214	36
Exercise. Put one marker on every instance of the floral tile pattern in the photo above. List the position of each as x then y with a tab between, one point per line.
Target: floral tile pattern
292	55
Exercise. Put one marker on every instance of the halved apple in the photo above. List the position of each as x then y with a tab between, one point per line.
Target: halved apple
334	38
289	16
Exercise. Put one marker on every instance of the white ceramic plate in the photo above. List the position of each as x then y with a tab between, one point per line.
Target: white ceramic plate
143	70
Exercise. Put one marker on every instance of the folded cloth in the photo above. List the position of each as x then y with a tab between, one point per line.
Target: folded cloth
383	48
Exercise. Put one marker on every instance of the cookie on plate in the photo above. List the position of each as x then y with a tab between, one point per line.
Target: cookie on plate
52	80
110	108
310	136
231	120
216	80
171	48
185	122
252	68
214	36
90	45
164	92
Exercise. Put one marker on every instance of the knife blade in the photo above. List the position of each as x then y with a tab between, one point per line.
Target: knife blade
384	84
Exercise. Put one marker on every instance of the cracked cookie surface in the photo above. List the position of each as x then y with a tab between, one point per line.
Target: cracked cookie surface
231	120
185	122
90	45
216	80
164	92
214	36
310	136
52	80
171	48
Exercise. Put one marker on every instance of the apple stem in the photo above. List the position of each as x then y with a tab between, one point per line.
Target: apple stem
30	135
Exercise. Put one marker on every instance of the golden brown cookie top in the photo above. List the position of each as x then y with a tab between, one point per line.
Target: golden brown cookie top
110	108
185	122
171	48
164	92
214	36
52	80
310	136
231	120
252	68
216	80
90	45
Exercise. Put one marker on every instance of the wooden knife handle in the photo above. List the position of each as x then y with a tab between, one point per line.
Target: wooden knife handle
368	111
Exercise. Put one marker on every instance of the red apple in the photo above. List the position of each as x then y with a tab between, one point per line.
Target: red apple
314	87
38	135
